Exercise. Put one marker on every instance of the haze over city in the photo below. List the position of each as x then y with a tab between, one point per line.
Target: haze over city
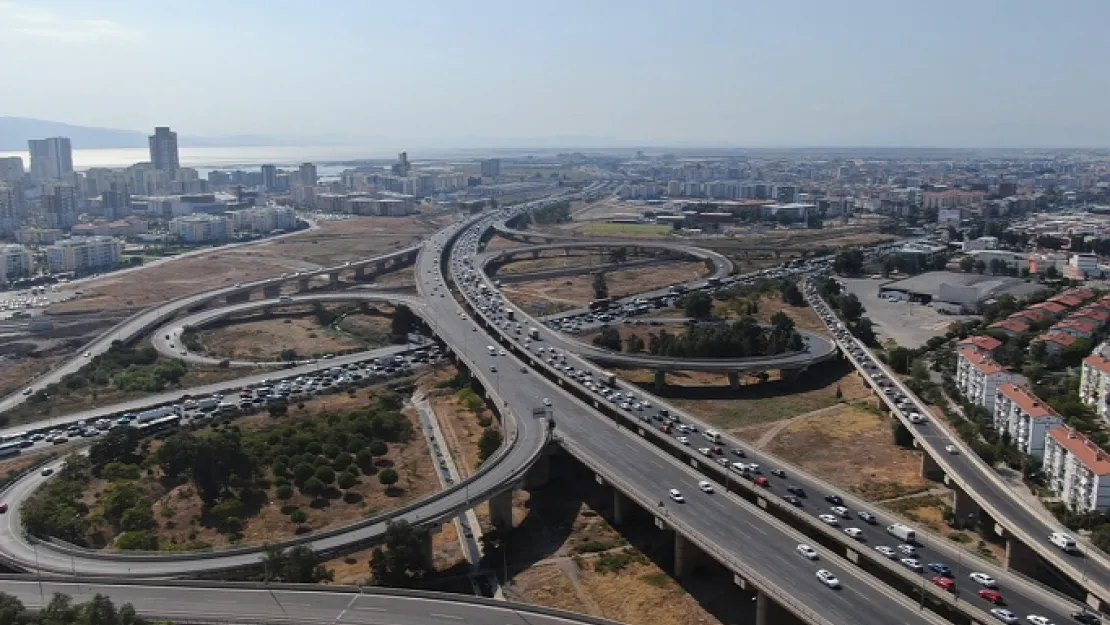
498	73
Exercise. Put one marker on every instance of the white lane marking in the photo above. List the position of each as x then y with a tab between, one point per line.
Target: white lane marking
370	609
457	618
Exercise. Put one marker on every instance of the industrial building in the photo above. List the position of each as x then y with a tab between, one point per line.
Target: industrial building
957	292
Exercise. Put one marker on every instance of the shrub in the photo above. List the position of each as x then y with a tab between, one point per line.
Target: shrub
325	474
346	480
284	492
299	516
388	477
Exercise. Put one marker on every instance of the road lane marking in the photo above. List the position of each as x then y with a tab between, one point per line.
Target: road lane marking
450	616
370	609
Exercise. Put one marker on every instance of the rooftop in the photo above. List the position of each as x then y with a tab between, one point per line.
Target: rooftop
981	361
1029	403
985	343
1083	448
1060	338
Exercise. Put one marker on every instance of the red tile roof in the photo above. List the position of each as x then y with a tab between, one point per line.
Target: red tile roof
1095	314
1053	307
1084	449
1013	325
985	343
981	361
1098	362
1031	314
1060	338
1029	403
1085	326
1067	300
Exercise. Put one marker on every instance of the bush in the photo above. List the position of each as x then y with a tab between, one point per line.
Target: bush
489	443
118	471
137	541
379	448
299	516
325	474
388	477
312	487
284	492
346	480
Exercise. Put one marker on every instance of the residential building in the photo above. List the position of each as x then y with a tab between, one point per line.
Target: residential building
491	168
83	254
11	169
1056	342
978	377
201	228
951	199
163	151
15	262
1082	267
1094	382
1077	470
51	159
269	177
306	175
38	236
982	342
1010	327
11	208
1024	417
982	243
60	206
263	220
128	227
1077	327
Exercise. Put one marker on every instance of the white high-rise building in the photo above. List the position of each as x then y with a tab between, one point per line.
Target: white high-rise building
82	254
1024	417
51	159
306	174
1077	470
163	151
978	377
15	262
1094	382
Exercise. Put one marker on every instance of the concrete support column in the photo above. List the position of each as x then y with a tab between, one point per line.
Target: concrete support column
966	510
428	551
535	254
501	510
540	472
303	283
360	273
1020	557
333	278
686	556
733	380
271	291
762	608
238	297
620	507
930	470
660	379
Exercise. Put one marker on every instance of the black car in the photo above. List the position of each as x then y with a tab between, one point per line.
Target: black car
1086	618
736	451
792	500
834	500
778	473
796	490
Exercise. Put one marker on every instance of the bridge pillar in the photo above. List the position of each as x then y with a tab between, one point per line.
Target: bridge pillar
333	278
501	510
660	379
789	375
535	254
964	507
686	555
271	291
360	273
428	551
1019	557
620	507
379	267
302	284
733	380
540	472
763	606
235	298
930	470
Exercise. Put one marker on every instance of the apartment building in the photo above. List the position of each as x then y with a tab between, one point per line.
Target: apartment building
264	220
200	228
15	262
978	377
1094	383
1024	417
82	254
1077	470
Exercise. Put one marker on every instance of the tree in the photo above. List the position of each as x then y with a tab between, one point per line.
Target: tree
402	324
899	359
213	462
288	354
849	262
118	445
601	289
980	266
299	565
312	487
99	611
388	477
403	561
850	307
634	344
346	480
864	330
618	255
325	474
791	295
1052	272
698	305
609	338
967	263
489	443
278	409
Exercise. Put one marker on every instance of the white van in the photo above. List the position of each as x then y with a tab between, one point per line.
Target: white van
904	533
1065	542
713	435
492	350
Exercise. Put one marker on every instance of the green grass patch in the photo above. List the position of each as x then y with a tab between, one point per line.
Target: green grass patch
652	230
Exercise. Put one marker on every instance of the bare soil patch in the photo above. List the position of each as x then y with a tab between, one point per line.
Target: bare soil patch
265	340
15	376
550	296
460	426
804	317
928	511
552	260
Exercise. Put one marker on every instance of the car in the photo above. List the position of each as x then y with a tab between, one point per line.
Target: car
828	579
493	369
705	487
951	449
792	500
88	354
1085	617
911	564
829	519
841	512
761	481
1037	619
908	550
886	551
983	579
992	596
28	391
867	517
685	440
524	369
796	490
675	495
546	401
854	532
945	583
3	508
834	500
809	553
1003	615
736	451
940	569
778	473
47	472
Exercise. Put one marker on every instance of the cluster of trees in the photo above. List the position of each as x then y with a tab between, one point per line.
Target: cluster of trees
299	565
849	262
491	437
128	368
739	339
402	562
402	323
601	288
850	310
609	338
556	213
62	611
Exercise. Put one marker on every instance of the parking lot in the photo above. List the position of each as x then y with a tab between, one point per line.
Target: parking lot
908	324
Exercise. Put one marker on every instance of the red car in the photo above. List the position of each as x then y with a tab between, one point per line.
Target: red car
993	596
946	583
762	481
718	451
3	508
666	429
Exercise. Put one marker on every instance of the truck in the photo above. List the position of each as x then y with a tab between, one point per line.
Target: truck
155	413
904	533
533	334
741	468
207	403
713	435
510	314
609	379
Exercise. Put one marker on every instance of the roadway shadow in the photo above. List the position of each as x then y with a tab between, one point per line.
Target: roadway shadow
816	377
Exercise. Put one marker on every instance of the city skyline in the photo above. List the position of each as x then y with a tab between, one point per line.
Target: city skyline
811	74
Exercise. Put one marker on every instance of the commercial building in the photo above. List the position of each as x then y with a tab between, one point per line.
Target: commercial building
1077	470
978	377
491	168
1094	383
201	228
51	159
15	262
38	236
83	254
11	169
1082	267
1024	417
163	151
965	291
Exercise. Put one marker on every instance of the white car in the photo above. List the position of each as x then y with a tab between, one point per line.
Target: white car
705	487
951	449
546	401
675	495
911	564
1037	619
1004	615
829	519
842	512
886	551
909	550
828	579
854	532
809	553
983	580
683	439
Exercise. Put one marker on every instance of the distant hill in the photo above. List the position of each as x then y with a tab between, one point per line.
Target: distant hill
15	131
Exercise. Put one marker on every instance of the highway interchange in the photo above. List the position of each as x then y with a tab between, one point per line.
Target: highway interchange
747	534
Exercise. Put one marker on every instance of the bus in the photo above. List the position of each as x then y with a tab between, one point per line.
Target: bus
13	448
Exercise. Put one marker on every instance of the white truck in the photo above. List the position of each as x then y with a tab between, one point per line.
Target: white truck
904	533
534	334
609	379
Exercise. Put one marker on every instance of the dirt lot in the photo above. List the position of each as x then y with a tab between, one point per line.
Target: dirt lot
805	318
501	243
265	340
550	296
16	375
334	242
755	404
553	260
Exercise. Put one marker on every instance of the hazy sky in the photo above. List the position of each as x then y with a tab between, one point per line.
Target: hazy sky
733	72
